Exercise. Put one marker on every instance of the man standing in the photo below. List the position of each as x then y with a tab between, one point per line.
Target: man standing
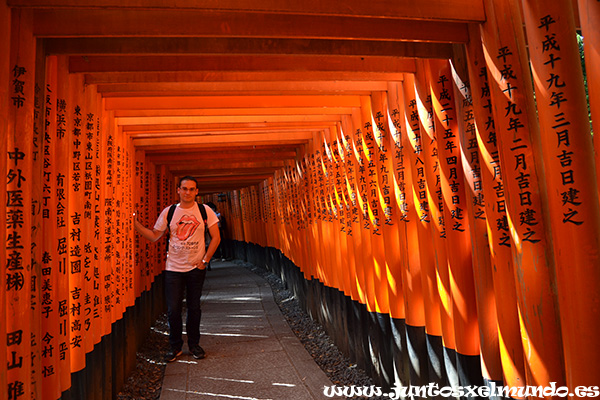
186	263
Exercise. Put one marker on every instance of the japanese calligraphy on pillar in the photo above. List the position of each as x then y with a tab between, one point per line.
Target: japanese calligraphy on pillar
49	270
76	244
18	244
399	171
420	182
520	148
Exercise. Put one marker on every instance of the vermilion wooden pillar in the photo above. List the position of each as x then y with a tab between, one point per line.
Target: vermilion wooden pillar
355	232
466	328
37	234
106	219
64	126
475	202
407	218
388	206
50	274
572	190
375	211
366	258
5	43
76	224
522	171
341	208
501	259
419	307
19	181
437	284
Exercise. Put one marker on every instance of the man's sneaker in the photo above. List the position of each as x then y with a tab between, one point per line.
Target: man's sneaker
172	355
198	352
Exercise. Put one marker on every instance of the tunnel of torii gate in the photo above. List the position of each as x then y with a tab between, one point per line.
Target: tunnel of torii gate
422	176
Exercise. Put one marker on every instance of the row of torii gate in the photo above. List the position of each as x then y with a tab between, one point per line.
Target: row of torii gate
453	201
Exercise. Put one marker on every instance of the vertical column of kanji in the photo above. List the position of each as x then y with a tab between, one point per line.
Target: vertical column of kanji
522	171
405	194
303	199
19	185
572	190
434	261
330	227
152	188
64	126
104	218
419	320
380	272
113	254
141	203
37	236
5	44
337	178
292	198
89	324
315	243
589	15
100	188
353	229
365	258
387	203
77	232
347	258
501	259
274	215
316	249
320	261
127	183
474	197
49	274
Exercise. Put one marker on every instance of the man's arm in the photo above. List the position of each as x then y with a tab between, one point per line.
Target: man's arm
152	235
215	239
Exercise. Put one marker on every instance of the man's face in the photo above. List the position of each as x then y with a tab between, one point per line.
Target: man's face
187	191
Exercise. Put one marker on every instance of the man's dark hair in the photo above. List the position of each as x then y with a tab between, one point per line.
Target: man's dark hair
188	178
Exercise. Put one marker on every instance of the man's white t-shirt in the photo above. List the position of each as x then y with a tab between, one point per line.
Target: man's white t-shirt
186	242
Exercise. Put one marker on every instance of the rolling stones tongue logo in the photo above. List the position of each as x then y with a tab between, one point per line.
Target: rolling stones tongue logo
186	227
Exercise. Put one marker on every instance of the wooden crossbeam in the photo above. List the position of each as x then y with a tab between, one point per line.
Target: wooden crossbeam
449	10
218	63
244	46
232	24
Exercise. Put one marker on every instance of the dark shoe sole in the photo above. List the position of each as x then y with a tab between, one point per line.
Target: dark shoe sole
175	356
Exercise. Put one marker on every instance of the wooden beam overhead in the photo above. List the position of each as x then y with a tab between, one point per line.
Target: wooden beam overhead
298	119
235	24
88	64
231	102
452	10
237	76
252	88
245	46
225	112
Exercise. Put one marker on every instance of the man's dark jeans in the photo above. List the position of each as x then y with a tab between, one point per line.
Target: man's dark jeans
176	283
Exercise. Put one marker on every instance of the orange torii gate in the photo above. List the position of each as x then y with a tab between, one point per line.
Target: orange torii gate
434	215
